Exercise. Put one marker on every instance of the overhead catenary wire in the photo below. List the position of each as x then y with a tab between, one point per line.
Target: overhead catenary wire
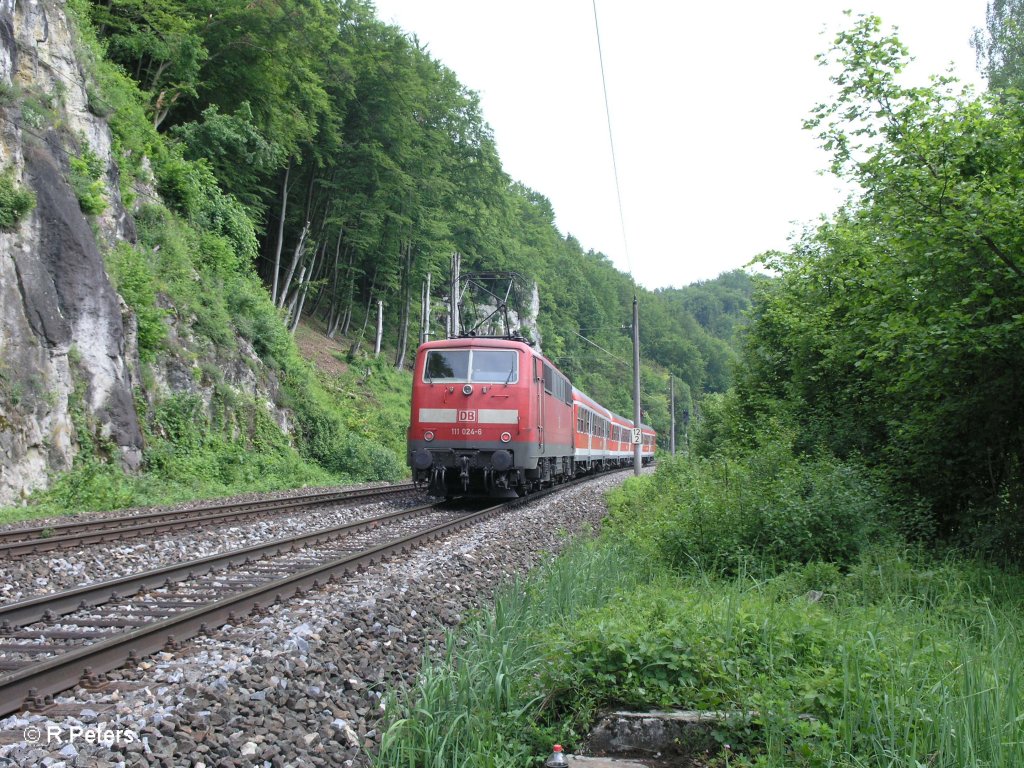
611	143
625	243
593	344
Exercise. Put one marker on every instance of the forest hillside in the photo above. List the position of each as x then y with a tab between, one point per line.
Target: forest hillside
222	174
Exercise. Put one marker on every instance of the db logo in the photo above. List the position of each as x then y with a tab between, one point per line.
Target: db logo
469	416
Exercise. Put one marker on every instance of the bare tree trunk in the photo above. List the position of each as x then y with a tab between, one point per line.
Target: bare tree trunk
315	274
295	296
299	251
298	310
380	329
425	313
341	309
354	350
453	307
301	289
406	294
346	322
280	231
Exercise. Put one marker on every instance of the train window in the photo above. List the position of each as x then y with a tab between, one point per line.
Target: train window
579	420
549	378
568	393
447	365
495	365
483	365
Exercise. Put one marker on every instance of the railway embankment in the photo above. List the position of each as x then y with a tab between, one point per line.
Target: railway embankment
305	681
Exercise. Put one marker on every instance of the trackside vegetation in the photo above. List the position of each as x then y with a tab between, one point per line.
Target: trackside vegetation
890	656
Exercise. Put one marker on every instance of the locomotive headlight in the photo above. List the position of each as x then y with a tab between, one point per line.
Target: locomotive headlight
422	459
506	436
467	389
501	460
428	435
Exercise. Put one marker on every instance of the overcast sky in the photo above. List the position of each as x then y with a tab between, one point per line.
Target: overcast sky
707	103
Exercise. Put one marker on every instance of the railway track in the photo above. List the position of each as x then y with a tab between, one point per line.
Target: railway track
56	642
53	643
19	542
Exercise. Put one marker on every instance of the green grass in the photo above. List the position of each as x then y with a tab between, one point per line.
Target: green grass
903	661
888	658
479	704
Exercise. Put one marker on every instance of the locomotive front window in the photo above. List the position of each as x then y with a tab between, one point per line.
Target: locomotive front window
478	365
447	365
495	365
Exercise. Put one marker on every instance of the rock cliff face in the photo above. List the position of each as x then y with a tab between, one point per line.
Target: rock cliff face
63	339
68	355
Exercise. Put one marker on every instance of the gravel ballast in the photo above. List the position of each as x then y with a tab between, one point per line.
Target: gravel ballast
35	575
302	683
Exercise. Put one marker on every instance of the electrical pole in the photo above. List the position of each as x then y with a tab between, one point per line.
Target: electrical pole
672	410
637	461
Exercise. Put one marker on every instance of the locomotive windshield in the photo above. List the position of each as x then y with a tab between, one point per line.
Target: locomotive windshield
480	365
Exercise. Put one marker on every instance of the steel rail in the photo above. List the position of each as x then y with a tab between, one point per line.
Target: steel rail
26	541
34	684
25	612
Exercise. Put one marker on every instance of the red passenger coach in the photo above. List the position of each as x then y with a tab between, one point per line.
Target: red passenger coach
489	415
604	439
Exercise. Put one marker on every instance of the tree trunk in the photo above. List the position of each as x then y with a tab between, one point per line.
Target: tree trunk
334	285
425	325
380	328
406	294
299	250
280	232
453	307
350	278
354	350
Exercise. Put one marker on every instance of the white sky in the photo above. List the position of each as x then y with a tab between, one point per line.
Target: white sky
707	104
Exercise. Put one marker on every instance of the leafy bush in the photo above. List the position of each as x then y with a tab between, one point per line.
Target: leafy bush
15	201
724	514
133	279
190	189
87	182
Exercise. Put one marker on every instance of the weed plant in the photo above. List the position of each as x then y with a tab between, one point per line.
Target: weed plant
886	657
479	703
15	201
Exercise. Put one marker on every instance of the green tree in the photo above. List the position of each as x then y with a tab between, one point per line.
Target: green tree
1000	45
160	43
897	330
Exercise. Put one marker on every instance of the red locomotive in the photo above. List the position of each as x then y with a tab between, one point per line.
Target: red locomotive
491	416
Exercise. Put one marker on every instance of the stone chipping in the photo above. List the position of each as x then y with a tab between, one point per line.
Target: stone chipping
31	576
302	683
